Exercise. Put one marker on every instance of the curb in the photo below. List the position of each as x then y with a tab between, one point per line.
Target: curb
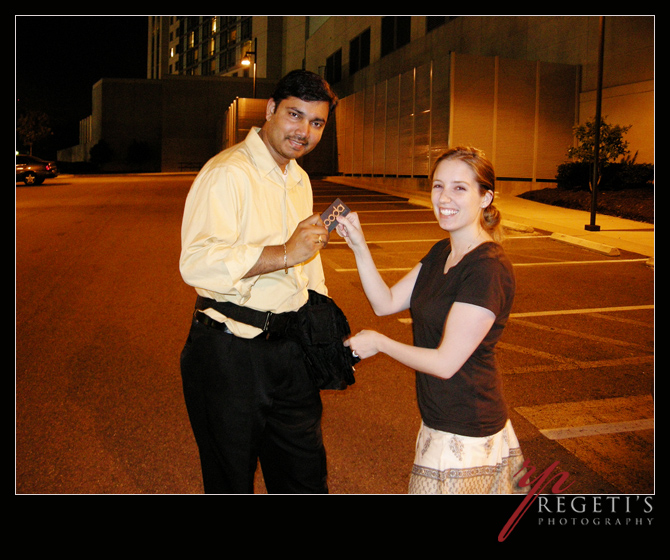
592	245
515	226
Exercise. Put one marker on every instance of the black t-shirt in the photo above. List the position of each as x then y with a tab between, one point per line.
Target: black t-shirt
470	403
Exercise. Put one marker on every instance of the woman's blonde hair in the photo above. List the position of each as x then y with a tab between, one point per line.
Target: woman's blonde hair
486	178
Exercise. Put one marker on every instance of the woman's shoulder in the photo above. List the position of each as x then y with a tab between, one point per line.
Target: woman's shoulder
490	254
489	250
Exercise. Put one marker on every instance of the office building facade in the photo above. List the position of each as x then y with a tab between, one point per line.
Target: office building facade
409	86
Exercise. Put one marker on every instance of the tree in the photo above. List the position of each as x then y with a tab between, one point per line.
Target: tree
101	153
611	145
139	153
32	127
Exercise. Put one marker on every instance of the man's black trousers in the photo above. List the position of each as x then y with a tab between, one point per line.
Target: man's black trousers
251	400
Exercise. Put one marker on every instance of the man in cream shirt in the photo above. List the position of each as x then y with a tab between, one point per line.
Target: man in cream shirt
250	238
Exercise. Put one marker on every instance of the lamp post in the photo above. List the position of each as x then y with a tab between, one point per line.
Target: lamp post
591	226
246	62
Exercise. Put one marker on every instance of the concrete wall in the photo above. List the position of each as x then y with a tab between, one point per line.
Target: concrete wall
180	119
629	61
124	112
631	104
520	113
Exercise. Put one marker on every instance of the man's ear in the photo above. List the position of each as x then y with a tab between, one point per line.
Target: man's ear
270	109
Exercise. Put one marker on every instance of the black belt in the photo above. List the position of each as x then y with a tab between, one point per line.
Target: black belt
208	321
267	321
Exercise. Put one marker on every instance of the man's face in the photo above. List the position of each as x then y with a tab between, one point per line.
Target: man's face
293	128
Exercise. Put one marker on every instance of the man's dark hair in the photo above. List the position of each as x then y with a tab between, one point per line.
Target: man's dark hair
305	85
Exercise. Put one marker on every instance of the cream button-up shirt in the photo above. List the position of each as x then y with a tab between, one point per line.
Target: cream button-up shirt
239	203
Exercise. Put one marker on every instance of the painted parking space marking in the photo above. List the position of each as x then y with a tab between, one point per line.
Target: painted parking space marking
599	429
601	434
571	263
591	310
580	311
559	421
571	365
387	241
557	263
581	334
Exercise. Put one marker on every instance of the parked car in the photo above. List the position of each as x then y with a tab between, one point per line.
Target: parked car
32	170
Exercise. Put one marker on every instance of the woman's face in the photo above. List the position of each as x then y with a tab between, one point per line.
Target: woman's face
456	197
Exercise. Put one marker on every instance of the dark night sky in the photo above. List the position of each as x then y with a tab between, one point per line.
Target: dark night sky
59	58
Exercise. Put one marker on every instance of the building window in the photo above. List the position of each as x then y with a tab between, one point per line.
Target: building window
433	22
227	59
359	52
334	67
245	29
396	33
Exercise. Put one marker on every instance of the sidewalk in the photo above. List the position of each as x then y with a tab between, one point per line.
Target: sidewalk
566	225
627	235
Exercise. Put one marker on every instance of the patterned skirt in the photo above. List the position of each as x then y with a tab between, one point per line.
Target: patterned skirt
447	463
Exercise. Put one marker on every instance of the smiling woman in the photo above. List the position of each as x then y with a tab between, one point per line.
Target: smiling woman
460	296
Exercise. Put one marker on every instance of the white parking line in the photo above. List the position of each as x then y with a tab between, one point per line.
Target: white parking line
599	429
390	241
579	334
561	263
572	365
558	421
391	201
513	264
417	209
580	311
561	311
603	434
379	269
430	222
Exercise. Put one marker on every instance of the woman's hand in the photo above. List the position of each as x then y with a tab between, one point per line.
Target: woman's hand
349	227
365	344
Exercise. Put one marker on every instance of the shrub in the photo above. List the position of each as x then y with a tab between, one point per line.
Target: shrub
614	176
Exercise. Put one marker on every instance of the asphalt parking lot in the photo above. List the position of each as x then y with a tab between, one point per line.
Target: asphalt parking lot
102	314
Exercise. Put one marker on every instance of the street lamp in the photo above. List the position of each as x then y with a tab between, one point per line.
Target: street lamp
591	226
247	62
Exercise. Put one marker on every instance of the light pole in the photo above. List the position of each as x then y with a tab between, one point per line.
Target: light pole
246	62
591	226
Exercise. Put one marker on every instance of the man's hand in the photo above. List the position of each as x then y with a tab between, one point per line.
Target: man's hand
307	240
309	237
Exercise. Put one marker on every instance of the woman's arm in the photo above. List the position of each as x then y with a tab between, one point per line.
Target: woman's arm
384	300
465	328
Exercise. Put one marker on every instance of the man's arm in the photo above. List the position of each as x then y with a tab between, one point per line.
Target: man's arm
306	241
